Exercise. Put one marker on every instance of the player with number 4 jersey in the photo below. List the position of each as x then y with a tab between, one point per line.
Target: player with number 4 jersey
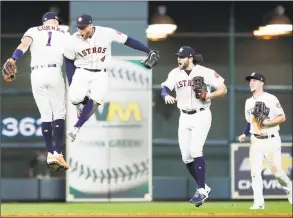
47	44
87	58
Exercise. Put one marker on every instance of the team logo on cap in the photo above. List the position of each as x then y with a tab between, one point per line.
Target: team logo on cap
79	19
181	49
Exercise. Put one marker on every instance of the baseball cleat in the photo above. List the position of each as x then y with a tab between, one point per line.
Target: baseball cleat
61	160
257	207
71	135
199	197
54	163
55	166
207	188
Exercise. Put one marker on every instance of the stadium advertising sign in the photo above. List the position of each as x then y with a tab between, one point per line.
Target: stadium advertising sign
241	187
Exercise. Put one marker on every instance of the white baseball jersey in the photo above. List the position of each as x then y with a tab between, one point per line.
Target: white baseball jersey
48	44
182	82
94	52
272	103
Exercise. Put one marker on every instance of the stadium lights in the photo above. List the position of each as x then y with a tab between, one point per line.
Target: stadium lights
161	25
279	25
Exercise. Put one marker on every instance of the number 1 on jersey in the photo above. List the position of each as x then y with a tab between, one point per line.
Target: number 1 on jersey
49	39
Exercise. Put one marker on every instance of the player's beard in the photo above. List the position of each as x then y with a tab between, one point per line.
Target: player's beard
88	34
184	65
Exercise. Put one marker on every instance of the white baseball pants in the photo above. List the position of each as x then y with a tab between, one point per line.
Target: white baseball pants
84	82
270	149
192	133
48	89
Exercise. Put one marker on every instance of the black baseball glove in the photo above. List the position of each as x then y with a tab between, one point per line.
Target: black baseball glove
199	87
260	112
151	60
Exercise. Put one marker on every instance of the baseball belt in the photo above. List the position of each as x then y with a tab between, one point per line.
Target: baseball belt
192	112
92	70
264	136
42	66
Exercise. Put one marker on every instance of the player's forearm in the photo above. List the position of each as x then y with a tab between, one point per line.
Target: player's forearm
165	92
220	92
22	48
133	43
276	121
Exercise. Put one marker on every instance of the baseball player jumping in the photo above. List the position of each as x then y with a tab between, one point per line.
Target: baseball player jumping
192	83
47	45
88	56
264	114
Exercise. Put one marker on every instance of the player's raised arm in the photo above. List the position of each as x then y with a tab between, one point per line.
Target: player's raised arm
9	68
153	56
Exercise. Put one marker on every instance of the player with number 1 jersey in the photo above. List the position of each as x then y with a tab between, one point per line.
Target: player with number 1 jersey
47	44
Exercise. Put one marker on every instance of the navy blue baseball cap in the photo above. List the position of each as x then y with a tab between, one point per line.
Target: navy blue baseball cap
257	76
185	51
83	21
50	16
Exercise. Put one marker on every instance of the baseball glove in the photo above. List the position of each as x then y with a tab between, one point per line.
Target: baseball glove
260	112
151	60
199	87
9	70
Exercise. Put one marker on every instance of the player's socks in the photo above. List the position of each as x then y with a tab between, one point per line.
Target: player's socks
47	134
191	170
200	169
58	130
85	114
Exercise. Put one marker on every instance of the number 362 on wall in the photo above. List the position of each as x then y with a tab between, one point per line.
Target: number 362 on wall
21	127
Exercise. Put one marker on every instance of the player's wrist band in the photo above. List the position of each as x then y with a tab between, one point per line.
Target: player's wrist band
17	54
165	91
247	129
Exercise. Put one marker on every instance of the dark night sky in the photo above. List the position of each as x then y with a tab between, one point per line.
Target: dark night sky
189	16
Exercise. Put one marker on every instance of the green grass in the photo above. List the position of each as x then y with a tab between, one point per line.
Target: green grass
143	208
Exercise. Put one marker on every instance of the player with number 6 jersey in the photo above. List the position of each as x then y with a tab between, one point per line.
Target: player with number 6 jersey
47	44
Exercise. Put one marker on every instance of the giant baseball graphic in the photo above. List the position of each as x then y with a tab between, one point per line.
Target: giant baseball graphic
111	156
